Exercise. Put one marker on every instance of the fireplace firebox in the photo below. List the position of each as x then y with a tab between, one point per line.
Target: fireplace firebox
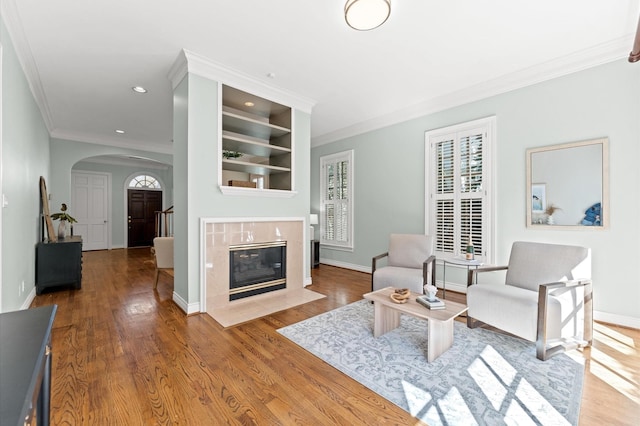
256	269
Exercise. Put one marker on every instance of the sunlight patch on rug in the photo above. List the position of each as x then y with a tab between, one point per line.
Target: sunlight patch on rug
485	378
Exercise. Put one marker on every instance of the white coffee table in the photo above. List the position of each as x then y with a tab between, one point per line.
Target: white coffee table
439	322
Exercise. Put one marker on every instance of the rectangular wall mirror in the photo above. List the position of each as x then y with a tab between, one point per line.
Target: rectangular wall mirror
568	185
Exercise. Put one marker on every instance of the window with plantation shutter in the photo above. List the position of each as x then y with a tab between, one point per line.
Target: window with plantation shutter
458	181
336	216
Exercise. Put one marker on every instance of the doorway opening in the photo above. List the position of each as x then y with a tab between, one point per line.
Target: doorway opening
144	199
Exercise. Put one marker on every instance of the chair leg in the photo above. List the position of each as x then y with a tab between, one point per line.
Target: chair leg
546	349
155	285
541	330
588	314
472	322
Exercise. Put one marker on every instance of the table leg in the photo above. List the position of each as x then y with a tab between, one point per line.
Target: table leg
439	338
385	319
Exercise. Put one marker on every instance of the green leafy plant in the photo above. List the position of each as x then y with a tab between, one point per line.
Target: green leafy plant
63	215
231	154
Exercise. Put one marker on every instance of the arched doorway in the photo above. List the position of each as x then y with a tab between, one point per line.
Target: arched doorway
144	198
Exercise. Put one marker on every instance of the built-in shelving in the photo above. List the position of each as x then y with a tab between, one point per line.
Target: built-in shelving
260	130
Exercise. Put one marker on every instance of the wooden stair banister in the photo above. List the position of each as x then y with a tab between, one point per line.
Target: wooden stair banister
166	217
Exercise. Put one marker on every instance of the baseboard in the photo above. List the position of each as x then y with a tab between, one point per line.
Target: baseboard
29	299
345	265
616	319
307	281
188	308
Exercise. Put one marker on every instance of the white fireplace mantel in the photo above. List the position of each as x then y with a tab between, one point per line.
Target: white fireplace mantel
217	234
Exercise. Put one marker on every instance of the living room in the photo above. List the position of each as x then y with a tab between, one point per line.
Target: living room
546	105
590	103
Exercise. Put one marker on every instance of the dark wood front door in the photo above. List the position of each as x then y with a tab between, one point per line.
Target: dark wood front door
142	206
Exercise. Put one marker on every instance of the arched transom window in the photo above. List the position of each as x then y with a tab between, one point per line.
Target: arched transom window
144	181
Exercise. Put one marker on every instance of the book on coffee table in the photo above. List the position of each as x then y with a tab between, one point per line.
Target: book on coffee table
430	304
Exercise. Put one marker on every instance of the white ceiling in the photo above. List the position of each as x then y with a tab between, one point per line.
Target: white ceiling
83	57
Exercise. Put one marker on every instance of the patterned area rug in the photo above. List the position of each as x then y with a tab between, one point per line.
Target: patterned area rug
486	378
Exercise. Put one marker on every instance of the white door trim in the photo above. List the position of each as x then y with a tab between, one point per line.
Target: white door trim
108	206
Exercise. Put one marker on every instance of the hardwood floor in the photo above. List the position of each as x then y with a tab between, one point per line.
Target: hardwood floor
125	354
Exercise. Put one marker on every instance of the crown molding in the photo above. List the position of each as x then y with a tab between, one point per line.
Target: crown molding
119	142
579	61
23	51
190	62
178	70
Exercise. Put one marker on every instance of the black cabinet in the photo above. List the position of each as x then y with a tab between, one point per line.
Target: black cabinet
59	263
25	366
315	253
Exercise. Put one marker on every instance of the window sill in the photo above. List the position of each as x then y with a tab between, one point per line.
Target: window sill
335	247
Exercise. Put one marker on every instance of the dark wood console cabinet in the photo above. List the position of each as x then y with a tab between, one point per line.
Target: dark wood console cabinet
59	263
25	366
315	254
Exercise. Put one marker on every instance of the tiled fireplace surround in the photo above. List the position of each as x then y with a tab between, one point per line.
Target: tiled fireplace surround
219	234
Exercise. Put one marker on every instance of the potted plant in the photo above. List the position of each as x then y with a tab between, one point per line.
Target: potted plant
63	217
231	154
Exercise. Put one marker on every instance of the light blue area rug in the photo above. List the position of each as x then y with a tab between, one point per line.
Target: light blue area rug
486	378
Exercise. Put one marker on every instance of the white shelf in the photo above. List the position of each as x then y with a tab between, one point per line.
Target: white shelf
252	146
255	168
256	192
250	127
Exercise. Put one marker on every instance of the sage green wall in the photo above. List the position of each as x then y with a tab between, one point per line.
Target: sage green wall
181	194
599	102
196	174
25	157
120	176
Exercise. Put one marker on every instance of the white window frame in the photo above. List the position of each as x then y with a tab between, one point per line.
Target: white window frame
133	182
324	162
487	126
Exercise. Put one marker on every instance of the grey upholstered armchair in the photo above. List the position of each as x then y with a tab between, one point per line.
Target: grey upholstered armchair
409	265
163	254
546	297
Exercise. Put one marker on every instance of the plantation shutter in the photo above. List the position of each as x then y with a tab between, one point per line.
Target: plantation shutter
458	206
336	215
445	196
471	190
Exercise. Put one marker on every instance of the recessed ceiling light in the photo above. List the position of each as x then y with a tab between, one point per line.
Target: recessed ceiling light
139	89
121	132
249	104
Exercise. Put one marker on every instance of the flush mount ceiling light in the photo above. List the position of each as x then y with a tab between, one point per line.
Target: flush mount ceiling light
364	15
139	89
249	104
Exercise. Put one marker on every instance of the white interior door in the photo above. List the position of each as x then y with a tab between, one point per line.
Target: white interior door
89	201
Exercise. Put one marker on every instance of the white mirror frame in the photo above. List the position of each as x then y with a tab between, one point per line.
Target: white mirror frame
606	213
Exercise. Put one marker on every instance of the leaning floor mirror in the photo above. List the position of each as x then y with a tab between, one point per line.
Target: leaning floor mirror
568	185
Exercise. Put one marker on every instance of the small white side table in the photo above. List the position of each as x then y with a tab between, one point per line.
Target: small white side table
459	261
